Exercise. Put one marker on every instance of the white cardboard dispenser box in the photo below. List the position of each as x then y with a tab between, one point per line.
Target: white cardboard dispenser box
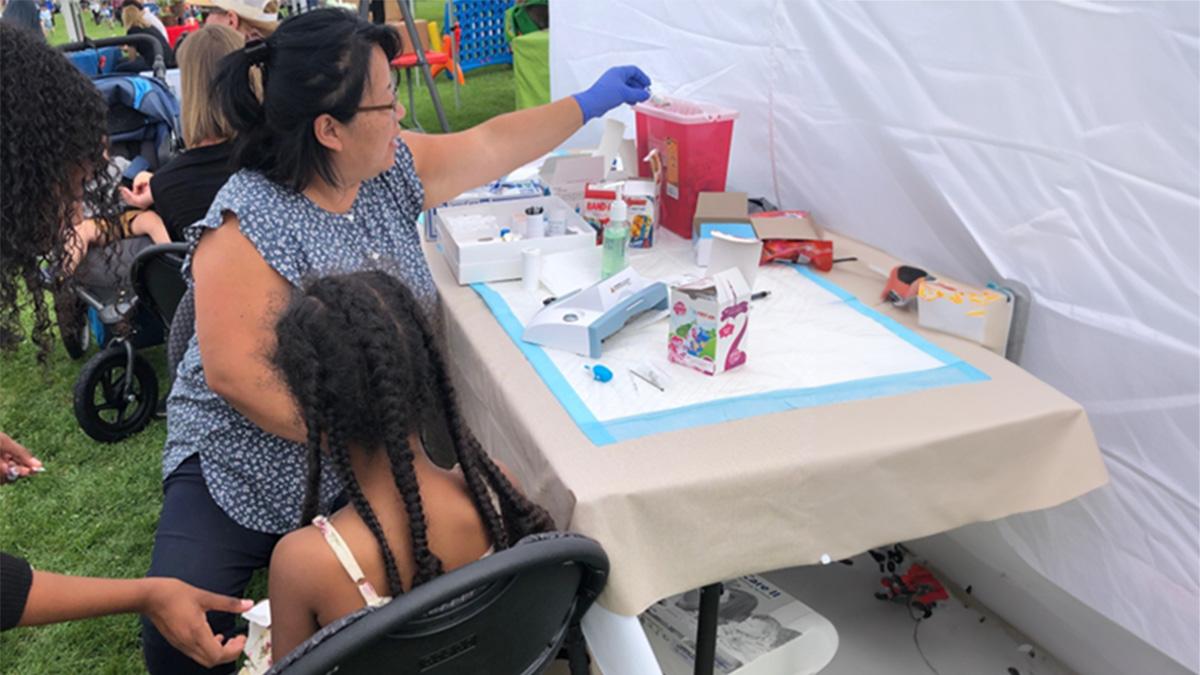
470	240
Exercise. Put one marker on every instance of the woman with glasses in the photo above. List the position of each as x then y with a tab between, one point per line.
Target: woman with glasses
328	184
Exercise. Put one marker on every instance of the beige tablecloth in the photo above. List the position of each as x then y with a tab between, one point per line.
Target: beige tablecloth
686	508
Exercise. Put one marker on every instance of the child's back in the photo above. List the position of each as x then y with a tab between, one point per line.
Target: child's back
361	363
317	583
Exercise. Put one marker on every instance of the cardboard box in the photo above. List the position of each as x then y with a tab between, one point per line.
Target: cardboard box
980	315
569	173
727	212
568	176
476	257
396	20
797	226
719	212
708	323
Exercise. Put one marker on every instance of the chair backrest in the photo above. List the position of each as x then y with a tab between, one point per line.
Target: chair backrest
158	280
508	613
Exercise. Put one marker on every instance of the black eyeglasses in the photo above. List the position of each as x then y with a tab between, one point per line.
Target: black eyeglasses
382	106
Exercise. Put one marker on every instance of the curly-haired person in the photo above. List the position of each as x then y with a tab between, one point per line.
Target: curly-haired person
52	123
52	160
361	360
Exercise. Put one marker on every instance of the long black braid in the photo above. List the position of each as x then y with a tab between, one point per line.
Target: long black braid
362	363
340	453
389	377
521	515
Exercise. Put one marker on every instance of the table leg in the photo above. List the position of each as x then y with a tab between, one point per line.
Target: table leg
706	629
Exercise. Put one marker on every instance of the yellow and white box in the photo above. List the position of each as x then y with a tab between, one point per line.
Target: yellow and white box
983	316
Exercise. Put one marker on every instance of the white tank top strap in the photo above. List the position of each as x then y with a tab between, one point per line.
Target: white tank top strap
346	558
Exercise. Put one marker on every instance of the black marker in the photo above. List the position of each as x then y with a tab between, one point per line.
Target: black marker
759	295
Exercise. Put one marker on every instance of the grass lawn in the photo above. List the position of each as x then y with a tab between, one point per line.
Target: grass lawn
94	511
59	35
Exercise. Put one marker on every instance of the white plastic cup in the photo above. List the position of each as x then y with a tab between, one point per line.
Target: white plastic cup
531	270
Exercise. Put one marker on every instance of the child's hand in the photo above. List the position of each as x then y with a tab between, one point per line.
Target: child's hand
140	196
132	198
142	181
15	461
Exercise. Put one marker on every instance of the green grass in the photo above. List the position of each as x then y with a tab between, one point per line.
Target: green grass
59	35
92	513
488	92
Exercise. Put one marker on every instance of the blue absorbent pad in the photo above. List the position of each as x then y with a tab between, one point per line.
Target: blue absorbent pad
810	343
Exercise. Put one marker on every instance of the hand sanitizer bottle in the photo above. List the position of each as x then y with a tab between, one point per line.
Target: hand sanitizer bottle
616	240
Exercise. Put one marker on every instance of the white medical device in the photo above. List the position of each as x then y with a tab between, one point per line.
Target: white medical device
580	321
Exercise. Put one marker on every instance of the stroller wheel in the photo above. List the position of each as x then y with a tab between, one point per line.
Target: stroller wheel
112	403
71	316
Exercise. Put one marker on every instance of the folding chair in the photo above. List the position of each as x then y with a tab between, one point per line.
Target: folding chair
507	614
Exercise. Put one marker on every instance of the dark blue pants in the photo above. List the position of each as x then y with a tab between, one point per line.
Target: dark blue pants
198	543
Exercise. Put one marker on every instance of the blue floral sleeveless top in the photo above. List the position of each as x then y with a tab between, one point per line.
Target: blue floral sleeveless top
258	478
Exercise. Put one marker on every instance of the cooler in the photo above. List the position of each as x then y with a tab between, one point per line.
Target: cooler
692	140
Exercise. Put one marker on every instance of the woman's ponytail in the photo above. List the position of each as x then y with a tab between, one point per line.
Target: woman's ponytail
239	92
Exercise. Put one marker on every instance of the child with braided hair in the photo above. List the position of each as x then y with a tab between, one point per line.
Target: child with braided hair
359	358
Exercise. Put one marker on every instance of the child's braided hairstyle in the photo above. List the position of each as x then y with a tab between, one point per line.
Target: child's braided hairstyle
361	361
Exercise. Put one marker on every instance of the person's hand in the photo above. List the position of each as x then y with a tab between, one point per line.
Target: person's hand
622	84
142	181
177	609
140	196
15	461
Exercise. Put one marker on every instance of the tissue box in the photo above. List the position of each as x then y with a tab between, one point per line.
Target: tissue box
483	256
708	323
980	315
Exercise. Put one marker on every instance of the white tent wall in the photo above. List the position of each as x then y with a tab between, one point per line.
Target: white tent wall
1056	144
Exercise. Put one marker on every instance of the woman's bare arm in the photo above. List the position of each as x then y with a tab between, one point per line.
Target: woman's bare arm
238	296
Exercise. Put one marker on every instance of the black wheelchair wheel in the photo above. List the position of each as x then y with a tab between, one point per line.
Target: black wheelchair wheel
102	407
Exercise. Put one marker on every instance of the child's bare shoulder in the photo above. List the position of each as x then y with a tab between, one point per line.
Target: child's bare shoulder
302	553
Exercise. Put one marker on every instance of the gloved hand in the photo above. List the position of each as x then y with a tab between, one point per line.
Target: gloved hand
621	84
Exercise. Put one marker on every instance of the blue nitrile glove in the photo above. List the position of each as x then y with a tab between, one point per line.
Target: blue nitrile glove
621	84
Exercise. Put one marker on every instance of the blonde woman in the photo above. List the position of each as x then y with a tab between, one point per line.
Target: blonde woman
182	190
135	23
255	19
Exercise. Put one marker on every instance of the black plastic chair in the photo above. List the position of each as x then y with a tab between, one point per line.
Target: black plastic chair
157	279
508	614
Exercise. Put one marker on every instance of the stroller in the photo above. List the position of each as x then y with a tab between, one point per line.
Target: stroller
125	294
